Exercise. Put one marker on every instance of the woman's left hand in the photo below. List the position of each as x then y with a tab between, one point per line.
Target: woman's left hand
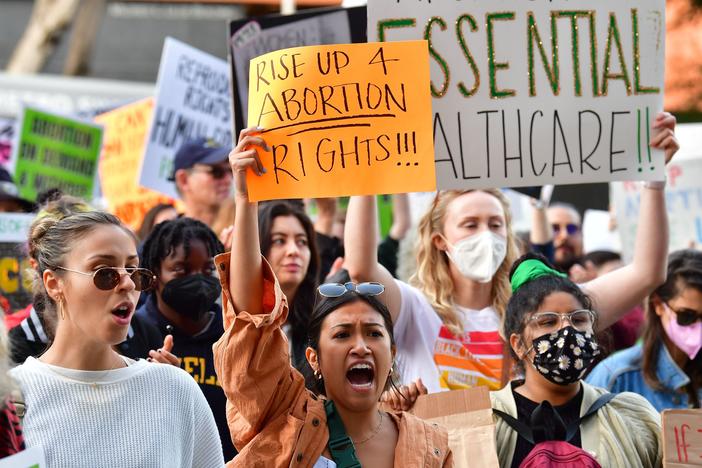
663	137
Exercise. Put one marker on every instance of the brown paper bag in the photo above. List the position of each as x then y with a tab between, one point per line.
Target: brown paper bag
467	415
682	438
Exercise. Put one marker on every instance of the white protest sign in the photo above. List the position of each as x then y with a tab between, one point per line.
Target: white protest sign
192	101
33	457
248	43
14	227
683	197
534	93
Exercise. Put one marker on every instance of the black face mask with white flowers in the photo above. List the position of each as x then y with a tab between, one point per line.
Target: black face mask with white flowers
564	356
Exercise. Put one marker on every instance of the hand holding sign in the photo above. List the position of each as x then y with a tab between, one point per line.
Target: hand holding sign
342	120
664	135
245	156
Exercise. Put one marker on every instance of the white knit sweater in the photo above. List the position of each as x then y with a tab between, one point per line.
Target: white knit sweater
142	415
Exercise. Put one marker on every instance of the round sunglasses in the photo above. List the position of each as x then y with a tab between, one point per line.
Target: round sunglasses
339	289
107	278
685	317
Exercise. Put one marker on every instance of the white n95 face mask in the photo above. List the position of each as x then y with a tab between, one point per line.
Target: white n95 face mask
479	256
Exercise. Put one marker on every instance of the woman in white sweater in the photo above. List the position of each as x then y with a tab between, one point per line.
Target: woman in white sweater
86	405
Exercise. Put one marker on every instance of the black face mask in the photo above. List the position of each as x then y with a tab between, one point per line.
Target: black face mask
564	356
192	296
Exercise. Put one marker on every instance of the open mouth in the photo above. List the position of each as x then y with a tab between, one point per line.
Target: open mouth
361	376
122	311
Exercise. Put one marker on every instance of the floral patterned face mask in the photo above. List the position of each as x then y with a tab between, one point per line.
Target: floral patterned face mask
564	356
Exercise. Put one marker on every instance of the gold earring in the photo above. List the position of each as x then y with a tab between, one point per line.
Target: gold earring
317	375
61	309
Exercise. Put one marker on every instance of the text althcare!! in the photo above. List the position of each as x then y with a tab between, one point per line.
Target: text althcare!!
537	92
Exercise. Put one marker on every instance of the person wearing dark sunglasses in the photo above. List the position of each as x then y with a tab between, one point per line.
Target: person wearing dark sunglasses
87	405
666	367
274	419
202	177
567	237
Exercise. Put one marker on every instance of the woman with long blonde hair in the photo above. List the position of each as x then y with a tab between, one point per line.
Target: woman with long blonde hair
447	321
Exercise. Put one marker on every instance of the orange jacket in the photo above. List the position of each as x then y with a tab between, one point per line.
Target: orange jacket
273	419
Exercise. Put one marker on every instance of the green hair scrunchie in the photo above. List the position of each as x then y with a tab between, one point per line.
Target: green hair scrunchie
531	269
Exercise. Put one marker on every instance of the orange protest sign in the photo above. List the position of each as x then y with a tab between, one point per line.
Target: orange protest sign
120	162
344	119
682	438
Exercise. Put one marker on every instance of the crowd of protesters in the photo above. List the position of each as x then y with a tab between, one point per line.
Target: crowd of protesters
259	335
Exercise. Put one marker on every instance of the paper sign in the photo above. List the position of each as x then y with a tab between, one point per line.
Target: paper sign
55	151
682	438
331	28
535	93
15	282
467	415
7	134
683	196
192	101
33	457
122	153
342	120
598	233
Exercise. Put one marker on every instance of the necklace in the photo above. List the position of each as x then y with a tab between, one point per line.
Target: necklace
373	434
95	380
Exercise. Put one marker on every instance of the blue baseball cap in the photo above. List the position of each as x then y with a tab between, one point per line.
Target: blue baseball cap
198	151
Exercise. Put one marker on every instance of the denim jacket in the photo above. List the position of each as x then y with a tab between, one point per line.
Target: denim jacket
623	372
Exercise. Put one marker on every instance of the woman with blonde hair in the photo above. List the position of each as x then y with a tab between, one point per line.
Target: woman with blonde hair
447	322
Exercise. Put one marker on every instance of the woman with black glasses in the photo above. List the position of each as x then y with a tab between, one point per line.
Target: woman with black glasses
273	419
666	367
86	405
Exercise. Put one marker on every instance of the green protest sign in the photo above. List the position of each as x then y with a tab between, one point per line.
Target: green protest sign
55	151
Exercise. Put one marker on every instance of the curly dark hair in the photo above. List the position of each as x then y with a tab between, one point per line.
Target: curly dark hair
167	236
532	294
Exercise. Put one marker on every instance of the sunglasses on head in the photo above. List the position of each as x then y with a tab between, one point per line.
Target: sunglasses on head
685	317
216	172
107	278
570	228
338	289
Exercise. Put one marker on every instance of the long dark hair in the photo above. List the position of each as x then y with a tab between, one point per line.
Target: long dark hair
303	302
532	294
147	224
684	271
324	307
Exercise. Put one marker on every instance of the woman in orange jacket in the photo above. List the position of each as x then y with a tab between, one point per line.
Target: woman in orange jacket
273	419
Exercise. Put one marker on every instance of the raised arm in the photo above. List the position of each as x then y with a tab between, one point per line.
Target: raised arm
361	255
252	357
245	283
615	293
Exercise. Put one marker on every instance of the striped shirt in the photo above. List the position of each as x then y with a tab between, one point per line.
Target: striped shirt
426	348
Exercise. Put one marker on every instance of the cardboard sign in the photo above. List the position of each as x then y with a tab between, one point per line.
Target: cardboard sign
7	134
251	37
15	282
33	457
331	28
55	151
682	438
192	101
467	415
683	196
534	93
121	159
342	120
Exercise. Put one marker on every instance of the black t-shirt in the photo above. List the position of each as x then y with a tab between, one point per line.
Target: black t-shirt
569	412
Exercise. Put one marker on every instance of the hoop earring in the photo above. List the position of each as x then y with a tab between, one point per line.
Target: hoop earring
317	375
